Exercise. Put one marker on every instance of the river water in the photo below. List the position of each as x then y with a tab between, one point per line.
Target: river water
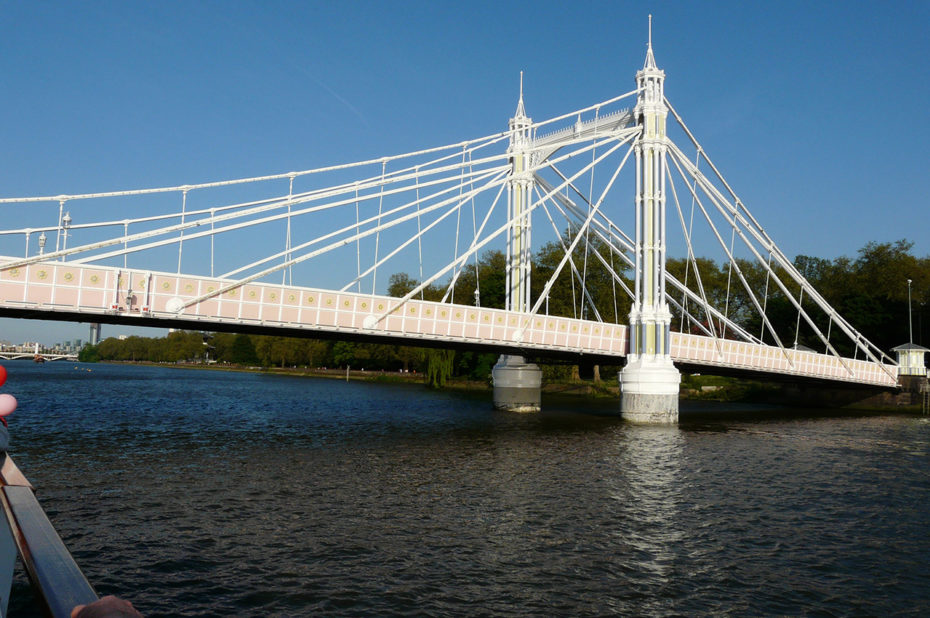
212	493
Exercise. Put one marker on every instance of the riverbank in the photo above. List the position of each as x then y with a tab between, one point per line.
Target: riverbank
567	387
694	387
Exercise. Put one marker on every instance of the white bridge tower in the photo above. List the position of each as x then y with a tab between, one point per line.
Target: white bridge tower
649	382
517	384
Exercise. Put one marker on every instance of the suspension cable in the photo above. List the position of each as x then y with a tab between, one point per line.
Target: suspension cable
181	235
419	230
692	258
287	238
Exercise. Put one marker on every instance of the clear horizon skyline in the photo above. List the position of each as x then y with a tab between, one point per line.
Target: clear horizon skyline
814	112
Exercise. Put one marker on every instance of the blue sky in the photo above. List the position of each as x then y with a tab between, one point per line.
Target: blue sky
815	112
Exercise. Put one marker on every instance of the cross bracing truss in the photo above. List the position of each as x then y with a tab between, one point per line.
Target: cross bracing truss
425	226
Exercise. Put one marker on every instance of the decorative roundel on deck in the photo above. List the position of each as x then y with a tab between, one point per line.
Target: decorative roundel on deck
251	293
142	283
310	300
413	310
499	319
458	314
574	328
443	313
231	293
429	312
164	285
471	317
380	306
210	288
596	330
14	273
364	305
370	321
42	274
174	305
188	288
485	319
291	298
346	303
94	278
69	276
329	302
274	296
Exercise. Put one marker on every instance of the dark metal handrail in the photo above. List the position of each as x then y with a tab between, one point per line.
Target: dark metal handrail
55	576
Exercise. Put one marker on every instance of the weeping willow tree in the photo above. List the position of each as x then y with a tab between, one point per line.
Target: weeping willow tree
439	365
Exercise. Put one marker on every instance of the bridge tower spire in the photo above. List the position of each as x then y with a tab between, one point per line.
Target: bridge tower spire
520	188
649	382
517	384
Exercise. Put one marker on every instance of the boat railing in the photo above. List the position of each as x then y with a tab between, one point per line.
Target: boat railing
56	579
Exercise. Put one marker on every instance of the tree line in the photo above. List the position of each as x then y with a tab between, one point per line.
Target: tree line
870	291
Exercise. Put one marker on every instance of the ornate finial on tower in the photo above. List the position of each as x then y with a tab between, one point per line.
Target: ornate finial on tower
650	58
521	113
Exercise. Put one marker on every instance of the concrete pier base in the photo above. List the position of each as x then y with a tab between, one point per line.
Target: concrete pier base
649	392
517	384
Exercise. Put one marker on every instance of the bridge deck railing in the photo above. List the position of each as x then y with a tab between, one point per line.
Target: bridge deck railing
129	293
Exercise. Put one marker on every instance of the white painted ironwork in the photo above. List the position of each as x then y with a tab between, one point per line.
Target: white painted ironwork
405	213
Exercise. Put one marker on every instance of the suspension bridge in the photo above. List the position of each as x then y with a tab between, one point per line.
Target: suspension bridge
614	189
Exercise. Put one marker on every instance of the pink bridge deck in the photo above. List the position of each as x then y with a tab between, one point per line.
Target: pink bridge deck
96	290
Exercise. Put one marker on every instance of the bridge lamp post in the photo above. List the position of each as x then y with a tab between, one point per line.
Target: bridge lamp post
66	225
910	320
61	208
42	240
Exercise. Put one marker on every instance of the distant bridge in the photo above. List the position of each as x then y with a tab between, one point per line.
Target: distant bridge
32	356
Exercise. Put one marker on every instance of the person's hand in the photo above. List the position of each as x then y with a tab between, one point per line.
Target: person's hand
107	607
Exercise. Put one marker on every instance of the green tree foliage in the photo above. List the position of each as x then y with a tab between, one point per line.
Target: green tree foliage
344	353
439	368
177	346
870	292
242	351
592	261
475	365
222	346
89	354
400	284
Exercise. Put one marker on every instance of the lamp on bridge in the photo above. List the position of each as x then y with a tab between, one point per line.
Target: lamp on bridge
42	241
66	224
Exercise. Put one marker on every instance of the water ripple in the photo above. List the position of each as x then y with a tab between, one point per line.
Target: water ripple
217	494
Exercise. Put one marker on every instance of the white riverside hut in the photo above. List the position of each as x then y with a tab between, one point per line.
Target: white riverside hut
911	359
